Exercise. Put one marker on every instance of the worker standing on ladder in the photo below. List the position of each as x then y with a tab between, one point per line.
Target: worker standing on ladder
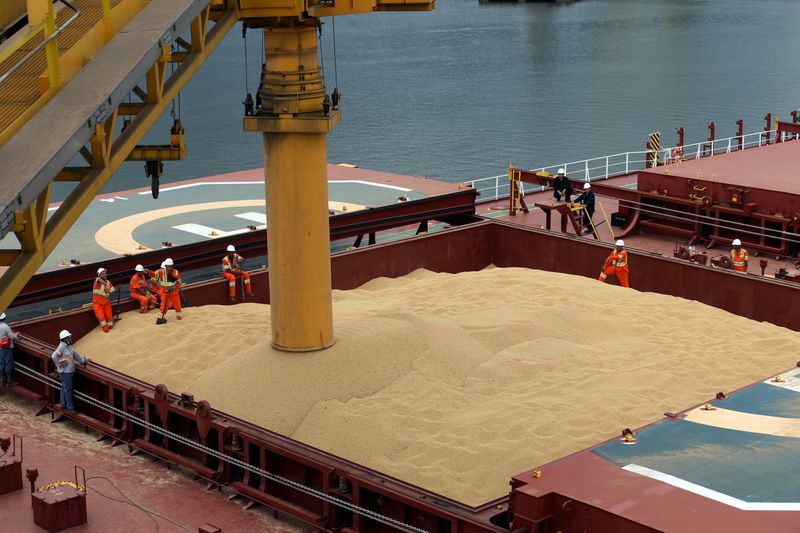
562	186
170	281
231	268
101	303
587	199
616	264
140	283
739	256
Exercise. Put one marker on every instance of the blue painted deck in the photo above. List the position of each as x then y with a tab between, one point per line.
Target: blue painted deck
752	467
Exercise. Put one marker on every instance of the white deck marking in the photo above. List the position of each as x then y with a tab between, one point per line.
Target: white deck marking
791	381
252	216
334	182
109	200
190	185
205	231
121	197
710	493
372	184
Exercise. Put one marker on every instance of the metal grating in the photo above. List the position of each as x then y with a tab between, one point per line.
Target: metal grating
21	90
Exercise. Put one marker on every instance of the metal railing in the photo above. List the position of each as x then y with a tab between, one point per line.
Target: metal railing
497	187
35	31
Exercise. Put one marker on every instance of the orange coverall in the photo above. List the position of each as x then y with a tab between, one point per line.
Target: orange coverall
616	265
139	285
170	282
739	260
101	303
230	269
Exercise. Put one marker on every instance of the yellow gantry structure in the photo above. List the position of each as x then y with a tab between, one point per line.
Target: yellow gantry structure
89	78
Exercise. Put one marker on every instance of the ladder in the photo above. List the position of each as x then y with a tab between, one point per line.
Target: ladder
577	212
516	198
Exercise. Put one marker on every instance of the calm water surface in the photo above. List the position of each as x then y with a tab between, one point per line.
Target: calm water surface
460	92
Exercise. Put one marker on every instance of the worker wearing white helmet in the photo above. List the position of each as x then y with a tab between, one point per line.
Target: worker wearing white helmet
739	256
588	200
169	281
232	269
562	186
141	286
616	265
65	358
101	302
7	338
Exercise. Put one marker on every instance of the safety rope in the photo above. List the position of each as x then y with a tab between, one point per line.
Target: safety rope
710	221
383	519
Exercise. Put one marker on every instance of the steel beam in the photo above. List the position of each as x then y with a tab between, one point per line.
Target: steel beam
45	166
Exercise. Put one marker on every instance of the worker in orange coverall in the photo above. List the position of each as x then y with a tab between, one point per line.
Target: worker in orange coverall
616	264
101	303
739	256
140	283
231	267
170	281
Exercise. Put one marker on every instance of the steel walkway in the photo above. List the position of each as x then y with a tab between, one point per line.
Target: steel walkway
21	90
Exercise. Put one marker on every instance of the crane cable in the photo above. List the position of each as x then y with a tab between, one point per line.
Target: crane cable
246	74
335	72
344	504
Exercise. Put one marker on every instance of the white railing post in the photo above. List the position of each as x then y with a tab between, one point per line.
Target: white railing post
606	167
627	161
497	187
586	176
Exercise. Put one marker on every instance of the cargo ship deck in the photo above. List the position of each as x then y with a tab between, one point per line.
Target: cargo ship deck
721	466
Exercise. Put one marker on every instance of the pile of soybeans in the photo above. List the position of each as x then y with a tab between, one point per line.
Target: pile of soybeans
456	382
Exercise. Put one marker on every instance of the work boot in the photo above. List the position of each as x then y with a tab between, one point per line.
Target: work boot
105	329
232	299
8	381
4	379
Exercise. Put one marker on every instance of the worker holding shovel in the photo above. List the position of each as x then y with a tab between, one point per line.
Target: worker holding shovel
169	279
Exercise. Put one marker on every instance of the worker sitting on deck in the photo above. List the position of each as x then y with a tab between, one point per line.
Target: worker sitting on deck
140	285
101	291
561	185
739	256
587	199
231	268
7	338
65	357
616	264
170	281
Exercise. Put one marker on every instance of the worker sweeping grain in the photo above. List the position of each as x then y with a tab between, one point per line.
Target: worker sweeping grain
101	303
231	269
616	264
169	280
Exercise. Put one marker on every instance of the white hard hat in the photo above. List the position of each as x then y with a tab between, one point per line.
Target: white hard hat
561	171
3	316
736	242
231	248
64	334
139	268
620	242
168	262
100	270
587	185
